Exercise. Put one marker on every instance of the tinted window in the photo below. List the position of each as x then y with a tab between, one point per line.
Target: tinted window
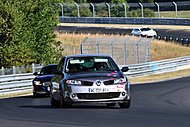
145	29
48	70
90	64
136	30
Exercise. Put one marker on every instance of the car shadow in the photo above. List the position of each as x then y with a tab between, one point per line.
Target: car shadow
31	96
90	106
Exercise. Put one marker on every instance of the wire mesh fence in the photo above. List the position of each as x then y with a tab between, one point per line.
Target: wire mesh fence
124	49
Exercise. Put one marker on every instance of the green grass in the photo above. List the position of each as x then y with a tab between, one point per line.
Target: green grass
172	14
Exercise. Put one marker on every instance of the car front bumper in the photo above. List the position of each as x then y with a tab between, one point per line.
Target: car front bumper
40	89
98	94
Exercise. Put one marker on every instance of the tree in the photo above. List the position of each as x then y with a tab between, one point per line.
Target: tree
26	32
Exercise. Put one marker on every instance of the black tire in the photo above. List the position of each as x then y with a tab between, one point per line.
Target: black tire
143	35
125	104
110	104
35	94
54	103
63	104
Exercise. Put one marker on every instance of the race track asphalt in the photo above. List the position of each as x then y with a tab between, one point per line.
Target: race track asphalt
163	104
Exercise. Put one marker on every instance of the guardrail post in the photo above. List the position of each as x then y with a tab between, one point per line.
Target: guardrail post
3	70
175	8
78	9
125	9
93	10
108	9
142	12
158	6
62	13
33	68
14	70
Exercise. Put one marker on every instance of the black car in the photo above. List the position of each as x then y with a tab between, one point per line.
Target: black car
41	83
89	78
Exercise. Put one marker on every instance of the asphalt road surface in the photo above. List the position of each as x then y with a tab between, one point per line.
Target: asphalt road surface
164	104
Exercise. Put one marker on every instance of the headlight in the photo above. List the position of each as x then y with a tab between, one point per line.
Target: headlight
119	81
37	83
73	82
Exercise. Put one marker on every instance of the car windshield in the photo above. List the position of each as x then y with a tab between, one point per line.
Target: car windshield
90	64
48	70
145	29
136	30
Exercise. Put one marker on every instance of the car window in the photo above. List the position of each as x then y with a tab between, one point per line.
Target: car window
145	29
136	30
48	70
90	64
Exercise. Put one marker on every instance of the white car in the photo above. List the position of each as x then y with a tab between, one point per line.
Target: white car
144	32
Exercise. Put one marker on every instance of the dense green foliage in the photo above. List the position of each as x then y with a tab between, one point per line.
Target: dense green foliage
26	31
138	13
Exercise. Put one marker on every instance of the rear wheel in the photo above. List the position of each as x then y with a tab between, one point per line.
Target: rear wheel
125	104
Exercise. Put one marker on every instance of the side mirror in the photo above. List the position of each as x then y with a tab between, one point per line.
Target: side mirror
36	73
125	69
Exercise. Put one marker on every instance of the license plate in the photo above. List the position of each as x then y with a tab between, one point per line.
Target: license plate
98	90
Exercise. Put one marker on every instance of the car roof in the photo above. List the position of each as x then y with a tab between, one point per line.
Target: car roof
142	27
88	55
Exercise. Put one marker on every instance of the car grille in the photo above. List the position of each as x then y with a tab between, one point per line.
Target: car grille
109	82
98	95
87	83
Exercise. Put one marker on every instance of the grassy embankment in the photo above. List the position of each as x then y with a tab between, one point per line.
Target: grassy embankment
172	14
159	50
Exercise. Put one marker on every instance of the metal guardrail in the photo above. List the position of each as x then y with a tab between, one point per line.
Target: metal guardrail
15	83
158	66
117	20
22	82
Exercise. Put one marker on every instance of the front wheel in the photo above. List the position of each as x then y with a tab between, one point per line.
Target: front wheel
54	103
125	104
63	104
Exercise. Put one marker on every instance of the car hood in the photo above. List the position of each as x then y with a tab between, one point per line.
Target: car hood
43	78
96	76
